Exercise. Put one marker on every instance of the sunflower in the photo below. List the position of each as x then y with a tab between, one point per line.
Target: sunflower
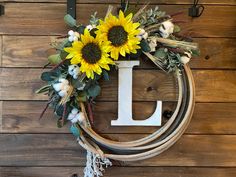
90	53
120	33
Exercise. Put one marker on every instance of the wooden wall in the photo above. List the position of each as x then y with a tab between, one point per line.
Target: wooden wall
33	148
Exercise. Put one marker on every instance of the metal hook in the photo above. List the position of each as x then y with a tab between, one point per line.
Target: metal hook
196	10
71	8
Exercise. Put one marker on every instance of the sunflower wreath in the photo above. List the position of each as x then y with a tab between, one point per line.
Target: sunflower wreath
87	54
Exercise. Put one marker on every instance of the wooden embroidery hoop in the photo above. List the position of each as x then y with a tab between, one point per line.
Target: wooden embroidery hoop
153	144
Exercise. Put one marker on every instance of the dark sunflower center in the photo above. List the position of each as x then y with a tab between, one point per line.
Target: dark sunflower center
117	35
91	52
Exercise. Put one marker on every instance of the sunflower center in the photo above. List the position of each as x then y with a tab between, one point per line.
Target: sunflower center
92	53
117	35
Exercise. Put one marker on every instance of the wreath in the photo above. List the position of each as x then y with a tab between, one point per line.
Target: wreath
85	56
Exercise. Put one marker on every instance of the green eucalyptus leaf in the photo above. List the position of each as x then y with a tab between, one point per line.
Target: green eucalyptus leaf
69	20
94	90
54	59
105	75
59	123
77	83
196	53
80	29
63	54
63	44
145	46
160	53
74	130
176	29
96	77
59	110
82	96
49	76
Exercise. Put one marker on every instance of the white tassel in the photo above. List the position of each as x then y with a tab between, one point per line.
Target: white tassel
95	165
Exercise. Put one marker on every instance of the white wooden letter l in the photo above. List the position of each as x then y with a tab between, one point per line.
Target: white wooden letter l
125	99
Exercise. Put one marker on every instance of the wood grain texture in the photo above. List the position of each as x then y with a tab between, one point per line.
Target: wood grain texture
35	52
211	85
216	86
44	18
62	150
208	118
221	2
24	82
118	172
23	117
1	52
1	113
33	148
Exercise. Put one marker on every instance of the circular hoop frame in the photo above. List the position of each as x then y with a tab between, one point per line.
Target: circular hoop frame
153	144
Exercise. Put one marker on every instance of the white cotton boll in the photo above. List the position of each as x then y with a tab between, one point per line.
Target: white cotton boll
71	33
75	38
64	81
169	26
165	35
139	38
80	117
75	76
62	93
63	86
184	59
71	38
74	111
188	54
76	71
77	117
145	35
71	69
77	34
142	31
58	86
153	45
66	88
166	29
142	34
90	27
71	116
73	121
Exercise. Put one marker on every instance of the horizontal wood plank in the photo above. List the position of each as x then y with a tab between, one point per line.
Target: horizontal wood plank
47	19
208	118
1	52
62	150
213	118
221	2
118	171
35	52
215	86
211	86
22	83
